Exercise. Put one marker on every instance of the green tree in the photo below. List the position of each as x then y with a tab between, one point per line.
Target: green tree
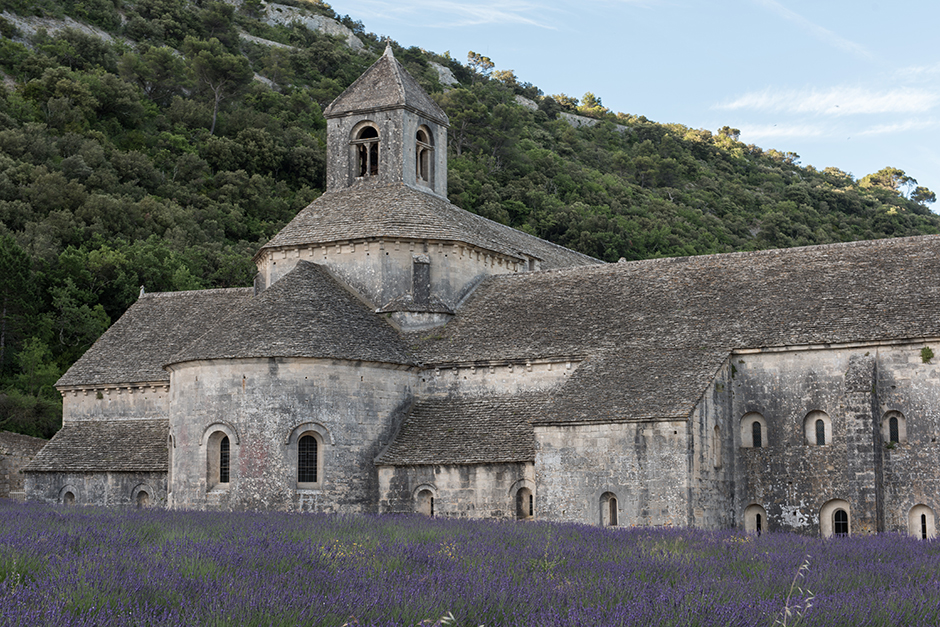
16	296
219	72
923	195
888	178
159	72
480	64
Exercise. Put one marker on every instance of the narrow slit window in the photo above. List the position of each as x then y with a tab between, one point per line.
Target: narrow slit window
894	433
923	526
612	502
756	434
758	524
821	433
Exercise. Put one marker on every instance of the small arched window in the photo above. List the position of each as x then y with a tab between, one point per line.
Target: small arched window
525	504
218	460
68	498
143	499
366	144
840	523
424	502
755	519
307	459
894	428
609	510
753	430
817	428
424	156
922	522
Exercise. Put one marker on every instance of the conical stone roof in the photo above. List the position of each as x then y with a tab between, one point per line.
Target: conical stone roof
305	314
385	85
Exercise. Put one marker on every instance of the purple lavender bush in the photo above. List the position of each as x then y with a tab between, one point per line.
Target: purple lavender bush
91	566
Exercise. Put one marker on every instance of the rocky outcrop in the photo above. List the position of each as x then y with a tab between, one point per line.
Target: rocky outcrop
285	15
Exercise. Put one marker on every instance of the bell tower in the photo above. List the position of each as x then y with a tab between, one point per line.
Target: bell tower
385	130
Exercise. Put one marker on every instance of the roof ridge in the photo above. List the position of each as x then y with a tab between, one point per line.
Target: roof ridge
768	252
211	290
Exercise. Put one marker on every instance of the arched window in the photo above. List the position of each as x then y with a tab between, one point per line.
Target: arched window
308	445
366	144
424	502
68	498
840	523
894	428
525	504
755	519
424	156
609	512
143	499
753	430
218	460
817	428
835	519
307	459
921	522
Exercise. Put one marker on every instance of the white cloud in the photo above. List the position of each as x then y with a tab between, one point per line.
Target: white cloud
823	34
900	127
836	101
454	13
774	131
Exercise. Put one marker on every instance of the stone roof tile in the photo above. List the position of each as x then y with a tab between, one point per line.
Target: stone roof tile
402	212
656	331
305	314
106	446
19	443
385	85
466	430
153	329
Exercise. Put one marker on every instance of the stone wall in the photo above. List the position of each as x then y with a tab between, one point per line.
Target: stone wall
465	491
470	379
792	478
98	488
645	465
397	131
264	406
16	450
712	464
124	402
381	271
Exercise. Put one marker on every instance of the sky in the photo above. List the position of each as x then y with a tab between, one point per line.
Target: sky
849	84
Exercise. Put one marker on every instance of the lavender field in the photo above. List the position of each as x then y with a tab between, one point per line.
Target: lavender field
86	566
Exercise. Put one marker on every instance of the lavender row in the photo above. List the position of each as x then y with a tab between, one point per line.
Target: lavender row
86	566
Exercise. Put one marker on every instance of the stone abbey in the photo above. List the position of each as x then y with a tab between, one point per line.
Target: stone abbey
398	354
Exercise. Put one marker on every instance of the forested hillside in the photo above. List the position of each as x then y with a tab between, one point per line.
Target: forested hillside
160	143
